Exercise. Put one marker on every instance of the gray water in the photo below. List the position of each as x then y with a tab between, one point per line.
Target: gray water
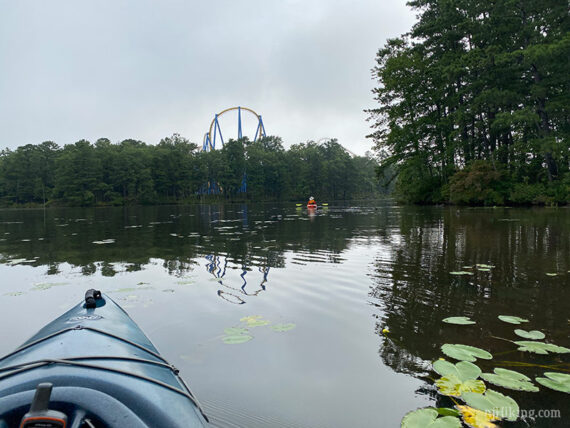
341	275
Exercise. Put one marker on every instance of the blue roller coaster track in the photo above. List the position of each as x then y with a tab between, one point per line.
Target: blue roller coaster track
215	131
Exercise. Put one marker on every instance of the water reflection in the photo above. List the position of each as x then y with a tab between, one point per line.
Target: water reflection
111	241
414	290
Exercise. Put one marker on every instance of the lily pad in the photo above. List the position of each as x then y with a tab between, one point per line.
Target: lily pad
510	379
477	418
254	321
484	266
463	370
533	334
283	327
484	269
461	272
557	381
493	402
428	418
236	339
235	330
551	274
451	385
446	411
458	320
465	352
541	347
512	319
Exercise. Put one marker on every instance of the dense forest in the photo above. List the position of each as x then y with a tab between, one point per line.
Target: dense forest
175	170
474	103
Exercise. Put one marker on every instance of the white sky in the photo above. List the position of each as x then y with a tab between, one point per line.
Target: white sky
142	69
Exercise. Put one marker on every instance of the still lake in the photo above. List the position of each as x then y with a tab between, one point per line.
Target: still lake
335	278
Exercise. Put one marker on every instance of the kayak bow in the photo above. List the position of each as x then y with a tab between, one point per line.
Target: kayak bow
104	372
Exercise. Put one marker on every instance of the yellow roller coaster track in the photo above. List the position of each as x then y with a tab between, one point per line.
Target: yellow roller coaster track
225	111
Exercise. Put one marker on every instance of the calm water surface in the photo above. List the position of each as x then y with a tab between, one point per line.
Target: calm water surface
186	273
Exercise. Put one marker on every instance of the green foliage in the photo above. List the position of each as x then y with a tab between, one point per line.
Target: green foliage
557	381
510	379
477	184
428	418
493	402
473	104
174	170
533	334
512	319
541	347
465	352
458	320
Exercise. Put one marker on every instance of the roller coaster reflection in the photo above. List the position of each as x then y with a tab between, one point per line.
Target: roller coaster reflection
218	269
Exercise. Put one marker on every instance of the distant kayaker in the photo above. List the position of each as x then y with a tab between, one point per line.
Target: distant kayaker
312	202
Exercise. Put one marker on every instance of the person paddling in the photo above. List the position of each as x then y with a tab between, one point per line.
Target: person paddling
312	203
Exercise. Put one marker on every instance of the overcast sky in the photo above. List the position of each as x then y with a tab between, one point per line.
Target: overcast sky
73	69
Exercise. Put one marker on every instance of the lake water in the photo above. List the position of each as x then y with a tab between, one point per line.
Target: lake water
340	275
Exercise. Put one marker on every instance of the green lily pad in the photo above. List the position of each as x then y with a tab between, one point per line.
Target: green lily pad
533	334
465	352
446	411
451	385
428	418
283	327
461	272
235	330
458	320
541	347
484	269
551	274
493	402
557	381
512	319
484	266
510	379
464	370
236	339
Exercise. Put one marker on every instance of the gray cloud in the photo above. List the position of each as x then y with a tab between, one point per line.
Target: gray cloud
145	69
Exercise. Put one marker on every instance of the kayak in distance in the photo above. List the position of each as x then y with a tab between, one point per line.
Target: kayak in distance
93	367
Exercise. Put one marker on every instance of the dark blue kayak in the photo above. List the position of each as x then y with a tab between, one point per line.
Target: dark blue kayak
102	371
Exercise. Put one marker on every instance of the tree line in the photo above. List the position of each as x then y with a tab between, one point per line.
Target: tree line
175	170
474	103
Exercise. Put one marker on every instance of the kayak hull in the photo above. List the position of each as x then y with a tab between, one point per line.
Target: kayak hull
98	360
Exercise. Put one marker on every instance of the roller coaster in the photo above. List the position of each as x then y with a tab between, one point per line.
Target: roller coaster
215	131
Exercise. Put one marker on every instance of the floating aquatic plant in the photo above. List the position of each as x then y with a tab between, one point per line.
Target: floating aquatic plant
461	272
557	381
104	241
512	319
551	274
510	379
465	352
254	321
458	320
464	370
428	418
477	418
236	339
493	402
283	327
451	385
533	334
541	347
484	266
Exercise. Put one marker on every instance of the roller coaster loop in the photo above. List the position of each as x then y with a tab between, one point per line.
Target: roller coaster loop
215	129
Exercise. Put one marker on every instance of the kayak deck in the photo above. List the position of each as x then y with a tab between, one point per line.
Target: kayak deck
98	360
